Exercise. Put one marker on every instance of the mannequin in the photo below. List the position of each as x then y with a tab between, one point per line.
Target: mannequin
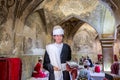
56	56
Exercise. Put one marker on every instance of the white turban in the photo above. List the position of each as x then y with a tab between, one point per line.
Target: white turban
40	58
57	30
86	62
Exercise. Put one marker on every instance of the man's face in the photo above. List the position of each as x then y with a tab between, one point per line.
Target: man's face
58	38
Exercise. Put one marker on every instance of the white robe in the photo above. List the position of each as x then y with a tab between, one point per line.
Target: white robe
54	52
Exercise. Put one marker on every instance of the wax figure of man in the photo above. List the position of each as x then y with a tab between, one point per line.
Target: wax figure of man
91	64
115	68
85	72
56	56
38	73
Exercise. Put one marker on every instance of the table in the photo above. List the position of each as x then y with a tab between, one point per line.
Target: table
32	78
97	76
110	76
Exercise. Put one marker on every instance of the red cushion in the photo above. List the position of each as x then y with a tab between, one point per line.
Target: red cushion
97	69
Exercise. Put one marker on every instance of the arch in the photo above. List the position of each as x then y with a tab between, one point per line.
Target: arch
118	31
111	6
75	22
34	33
108	5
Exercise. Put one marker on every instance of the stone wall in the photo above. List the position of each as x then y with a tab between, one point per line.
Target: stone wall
26	26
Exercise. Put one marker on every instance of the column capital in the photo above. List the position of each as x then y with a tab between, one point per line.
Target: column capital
107	42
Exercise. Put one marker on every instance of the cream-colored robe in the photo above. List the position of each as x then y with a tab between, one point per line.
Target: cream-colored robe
54	52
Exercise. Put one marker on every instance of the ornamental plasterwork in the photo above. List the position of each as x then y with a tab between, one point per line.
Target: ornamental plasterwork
69	7
84	39
62	8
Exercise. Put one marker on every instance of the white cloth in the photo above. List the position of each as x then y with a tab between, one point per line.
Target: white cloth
54	51
32	78
86	62
63	66
97	76
57	30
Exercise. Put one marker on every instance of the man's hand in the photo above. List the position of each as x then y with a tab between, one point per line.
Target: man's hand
56	68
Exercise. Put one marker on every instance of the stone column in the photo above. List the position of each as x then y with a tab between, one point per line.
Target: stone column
107	51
